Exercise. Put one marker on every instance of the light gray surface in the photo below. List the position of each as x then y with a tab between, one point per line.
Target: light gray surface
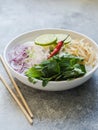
75	109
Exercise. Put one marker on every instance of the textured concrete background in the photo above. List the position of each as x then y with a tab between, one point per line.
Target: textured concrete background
75	109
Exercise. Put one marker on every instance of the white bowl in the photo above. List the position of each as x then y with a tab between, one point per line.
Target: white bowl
52	85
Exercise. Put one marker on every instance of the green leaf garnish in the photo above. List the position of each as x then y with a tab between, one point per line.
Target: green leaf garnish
57	68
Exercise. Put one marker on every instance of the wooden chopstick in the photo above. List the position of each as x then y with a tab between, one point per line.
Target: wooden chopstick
16	87
16	99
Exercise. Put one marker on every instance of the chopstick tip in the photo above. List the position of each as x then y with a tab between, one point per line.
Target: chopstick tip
31	122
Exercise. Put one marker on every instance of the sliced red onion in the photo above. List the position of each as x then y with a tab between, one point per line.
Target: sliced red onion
17	58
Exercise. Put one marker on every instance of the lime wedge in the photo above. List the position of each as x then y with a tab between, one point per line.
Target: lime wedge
46	39
61	37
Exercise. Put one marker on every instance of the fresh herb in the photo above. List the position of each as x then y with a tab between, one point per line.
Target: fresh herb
57	68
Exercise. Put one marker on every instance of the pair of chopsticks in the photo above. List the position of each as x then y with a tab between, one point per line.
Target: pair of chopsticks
25	109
